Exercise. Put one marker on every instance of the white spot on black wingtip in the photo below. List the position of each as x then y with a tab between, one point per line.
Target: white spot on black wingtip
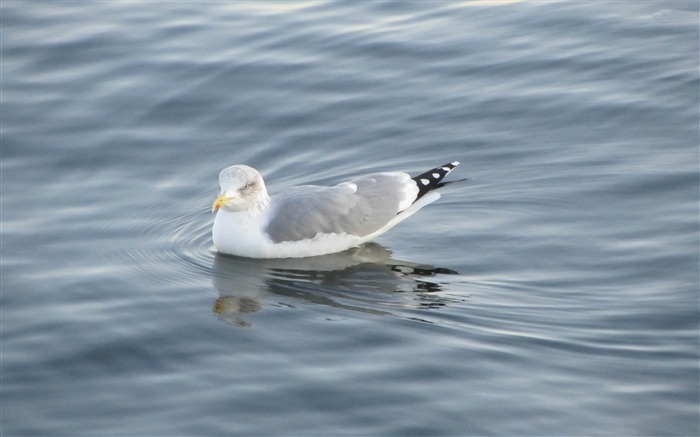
449	167
432	179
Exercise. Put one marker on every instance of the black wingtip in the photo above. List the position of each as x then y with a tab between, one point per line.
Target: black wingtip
432	179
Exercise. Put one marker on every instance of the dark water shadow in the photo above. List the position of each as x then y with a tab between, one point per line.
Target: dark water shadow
365	279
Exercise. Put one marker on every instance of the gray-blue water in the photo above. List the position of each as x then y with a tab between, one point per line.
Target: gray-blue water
553	293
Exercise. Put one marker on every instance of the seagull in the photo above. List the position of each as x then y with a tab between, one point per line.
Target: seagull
312	220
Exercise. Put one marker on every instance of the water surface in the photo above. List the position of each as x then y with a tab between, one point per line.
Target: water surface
553	293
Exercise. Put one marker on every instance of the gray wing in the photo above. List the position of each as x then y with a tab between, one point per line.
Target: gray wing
359	207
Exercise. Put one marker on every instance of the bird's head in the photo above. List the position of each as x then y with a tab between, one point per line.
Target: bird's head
242	188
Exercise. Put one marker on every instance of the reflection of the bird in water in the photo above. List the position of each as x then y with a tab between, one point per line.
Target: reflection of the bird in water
364	279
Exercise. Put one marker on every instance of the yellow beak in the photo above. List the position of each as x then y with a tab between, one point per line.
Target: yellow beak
219	202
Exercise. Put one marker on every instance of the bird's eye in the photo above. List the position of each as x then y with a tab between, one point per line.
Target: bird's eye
246	187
